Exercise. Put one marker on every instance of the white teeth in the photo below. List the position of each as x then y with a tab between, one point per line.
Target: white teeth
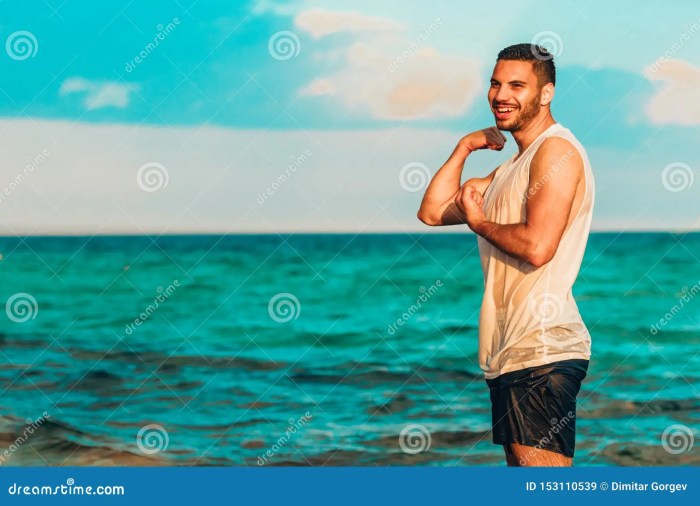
505	109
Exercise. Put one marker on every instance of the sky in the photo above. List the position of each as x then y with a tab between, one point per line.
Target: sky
196	116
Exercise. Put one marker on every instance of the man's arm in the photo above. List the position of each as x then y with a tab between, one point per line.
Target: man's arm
555	172
438	207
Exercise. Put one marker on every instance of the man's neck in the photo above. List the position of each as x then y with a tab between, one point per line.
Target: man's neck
527	135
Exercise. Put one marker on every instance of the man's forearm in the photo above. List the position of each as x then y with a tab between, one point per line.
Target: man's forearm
444	184
516	239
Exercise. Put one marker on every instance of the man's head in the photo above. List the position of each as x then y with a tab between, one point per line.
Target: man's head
522	85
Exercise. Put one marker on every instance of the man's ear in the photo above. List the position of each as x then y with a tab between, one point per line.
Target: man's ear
547	94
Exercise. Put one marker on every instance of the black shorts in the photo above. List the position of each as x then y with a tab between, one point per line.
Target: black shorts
536	406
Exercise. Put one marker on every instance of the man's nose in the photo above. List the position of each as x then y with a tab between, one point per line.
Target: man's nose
502	95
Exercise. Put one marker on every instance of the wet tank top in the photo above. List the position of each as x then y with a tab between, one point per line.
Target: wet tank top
528	314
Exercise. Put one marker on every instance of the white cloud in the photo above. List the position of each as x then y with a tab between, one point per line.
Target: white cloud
402	85
677	101
320	22
391	74
98	94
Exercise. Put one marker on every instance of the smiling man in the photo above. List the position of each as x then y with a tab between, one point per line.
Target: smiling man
532	215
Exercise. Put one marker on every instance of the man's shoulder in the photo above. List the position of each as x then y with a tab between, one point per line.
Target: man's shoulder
557	151
561	134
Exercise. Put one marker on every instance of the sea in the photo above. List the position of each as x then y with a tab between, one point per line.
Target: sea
321	349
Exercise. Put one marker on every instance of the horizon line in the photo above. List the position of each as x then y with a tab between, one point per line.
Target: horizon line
322	232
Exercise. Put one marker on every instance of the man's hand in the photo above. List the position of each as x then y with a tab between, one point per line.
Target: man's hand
439	204
470	203
488	138
556	171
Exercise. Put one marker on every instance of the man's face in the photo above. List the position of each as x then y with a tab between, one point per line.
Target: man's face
514	94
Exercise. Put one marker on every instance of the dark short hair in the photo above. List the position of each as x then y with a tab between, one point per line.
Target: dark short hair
541	59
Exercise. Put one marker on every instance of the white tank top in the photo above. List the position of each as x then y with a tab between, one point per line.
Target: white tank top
528	314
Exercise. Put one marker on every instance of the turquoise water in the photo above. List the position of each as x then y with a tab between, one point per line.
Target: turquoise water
253	334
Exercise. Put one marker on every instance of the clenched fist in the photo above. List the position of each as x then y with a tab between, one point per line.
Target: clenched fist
471	203
488	138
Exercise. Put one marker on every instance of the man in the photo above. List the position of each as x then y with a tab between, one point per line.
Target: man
532	217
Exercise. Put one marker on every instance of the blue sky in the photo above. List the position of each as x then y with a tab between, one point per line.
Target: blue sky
300	116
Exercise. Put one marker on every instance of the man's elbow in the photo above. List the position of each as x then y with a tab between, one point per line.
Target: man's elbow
428	219
541	255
